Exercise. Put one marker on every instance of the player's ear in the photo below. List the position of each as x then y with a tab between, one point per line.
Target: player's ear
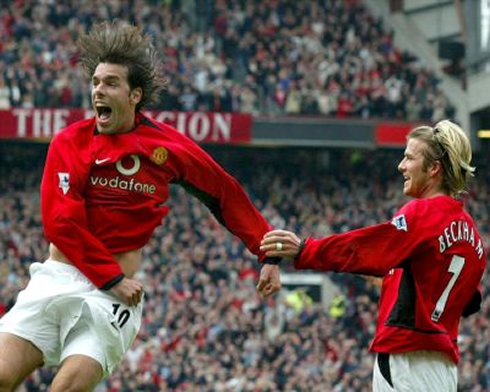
136	95
435	168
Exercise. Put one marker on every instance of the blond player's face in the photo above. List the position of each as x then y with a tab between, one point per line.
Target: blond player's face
113	101
417	180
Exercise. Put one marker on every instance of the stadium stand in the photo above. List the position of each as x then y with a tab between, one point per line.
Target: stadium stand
272	58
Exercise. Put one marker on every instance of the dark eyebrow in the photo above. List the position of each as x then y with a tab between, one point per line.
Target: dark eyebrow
109	78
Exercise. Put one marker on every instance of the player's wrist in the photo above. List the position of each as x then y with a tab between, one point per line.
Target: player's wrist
111	283
300	248
272	260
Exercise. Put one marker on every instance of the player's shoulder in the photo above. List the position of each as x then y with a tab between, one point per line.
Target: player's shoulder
413	208
432	202
162	130
149	123
413	213
76	131
430	209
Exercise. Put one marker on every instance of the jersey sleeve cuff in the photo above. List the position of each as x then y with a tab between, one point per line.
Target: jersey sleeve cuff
272	260
111	283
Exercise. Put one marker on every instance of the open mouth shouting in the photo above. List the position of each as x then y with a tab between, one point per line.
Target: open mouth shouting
103	113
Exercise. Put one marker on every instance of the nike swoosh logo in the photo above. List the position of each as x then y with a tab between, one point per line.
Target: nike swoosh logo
101	161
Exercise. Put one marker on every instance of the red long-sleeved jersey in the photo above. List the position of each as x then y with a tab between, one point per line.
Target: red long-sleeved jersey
105	194
432	259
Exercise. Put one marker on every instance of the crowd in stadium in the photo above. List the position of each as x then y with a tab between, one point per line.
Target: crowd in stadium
329	58
205	326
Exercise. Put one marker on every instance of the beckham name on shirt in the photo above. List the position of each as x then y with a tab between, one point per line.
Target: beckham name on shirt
460	231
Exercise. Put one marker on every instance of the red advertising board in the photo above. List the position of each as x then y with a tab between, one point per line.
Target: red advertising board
392	133
221	128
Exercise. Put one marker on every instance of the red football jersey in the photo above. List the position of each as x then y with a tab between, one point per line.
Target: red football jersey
105	194
432	259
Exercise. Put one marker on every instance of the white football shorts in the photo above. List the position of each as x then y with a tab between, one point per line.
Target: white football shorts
416	371
62	313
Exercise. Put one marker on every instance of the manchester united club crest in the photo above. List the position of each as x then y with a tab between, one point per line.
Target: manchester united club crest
159	155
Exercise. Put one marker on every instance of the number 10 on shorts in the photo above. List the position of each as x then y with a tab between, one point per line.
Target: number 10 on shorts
121	314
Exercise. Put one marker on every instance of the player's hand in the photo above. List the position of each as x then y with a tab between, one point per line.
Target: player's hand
128	291
281	243
269	281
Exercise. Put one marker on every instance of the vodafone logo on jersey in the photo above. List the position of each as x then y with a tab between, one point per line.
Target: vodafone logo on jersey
127	167
133	169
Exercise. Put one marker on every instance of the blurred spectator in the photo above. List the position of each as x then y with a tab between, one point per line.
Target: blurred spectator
4	95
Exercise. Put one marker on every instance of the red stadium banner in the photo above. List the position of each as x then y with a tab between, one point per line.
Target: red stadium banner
220	128
392	133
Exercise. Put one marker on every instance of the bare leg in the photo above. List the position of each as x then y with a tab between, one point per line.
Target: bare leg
18	359
78	373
